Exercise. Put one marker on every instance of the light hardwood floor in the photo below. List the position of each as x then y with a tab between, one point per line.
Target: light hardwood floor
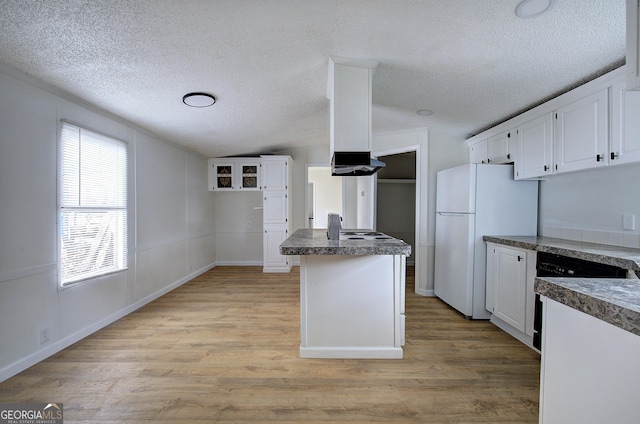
224	348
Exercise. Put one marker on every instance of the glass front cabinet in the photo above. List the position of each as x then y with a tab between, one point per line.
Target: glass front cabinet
234	174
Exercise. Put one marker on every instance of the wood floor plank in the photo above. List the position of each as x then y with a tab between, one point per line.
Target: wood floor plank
224	348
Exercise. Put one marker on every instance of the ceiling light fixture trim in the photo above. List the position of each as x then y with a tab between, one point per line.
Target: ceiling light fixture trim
198	99
532	8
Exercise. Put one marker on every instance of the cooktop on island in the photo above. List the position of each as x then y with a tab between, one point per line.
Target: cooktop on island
363	235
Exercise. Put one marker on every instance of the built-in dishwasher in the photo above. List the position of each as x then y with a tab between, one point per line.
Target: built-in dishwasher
552	265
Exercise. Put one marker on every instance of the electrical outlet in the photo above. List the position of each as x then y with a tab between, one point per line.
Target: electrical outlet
628	221
44	336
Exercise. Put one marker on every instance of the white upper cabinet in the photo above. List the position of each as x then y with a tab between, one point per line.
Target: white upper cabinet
230	174
625	125
589	127
535	148
633	46
478	152
275	172
582	133
498	147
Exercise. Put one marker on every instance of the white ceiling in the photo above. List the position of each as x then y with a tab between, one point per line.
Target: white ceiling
472	62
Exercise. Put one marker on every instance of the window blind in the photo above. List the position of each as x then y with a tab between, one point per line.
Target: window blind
93	204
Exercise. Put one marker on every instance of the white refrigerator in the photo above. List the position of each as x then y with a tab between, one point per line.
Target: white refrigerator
472	201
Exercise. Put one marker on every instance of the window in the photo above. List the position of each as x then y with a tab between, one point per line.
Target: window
93	205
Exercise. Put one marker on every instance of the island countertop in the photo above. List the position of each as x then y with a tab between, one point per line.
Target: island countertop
315	242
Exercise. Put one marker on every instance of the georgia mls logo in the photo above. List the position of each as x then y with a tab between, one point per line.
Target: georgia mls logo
31	413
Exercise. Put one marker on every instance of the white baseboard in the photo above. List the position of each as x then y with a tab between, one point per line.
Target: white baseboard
239	263
30	360
426	293
351	352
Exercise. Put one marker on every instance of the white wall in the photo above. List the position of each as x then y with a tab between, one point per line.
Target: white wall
171	223
589	205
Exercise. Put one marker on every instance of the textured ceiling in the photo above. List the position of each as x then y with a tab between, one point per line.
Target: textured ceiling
472	62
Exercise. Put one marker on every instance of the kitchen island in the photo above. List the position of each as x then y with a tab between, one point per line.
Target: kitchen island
351	294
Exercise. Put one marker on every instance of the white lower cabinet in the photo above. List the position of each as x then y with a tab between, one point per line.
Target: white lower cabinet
509	294
273	261
590	372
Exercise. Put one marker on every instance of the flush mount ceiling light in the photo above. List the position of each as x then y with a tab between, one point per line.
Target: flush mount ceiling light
198	99
424	112
533	8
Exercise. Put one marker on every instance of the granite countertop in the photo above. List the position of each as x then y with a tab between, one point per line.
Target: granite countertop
315	242
613	300
623	257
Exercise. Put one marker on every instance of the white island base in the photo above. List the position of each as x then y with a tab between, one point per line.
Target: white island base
352	306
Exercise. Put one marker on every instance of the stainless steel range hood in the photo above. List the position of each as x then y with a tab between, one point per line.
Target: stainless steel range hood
349	92
353	164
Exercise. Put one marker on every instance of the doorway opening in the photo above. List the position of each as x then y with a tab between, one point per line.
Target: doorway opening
324	196
397	207
396	198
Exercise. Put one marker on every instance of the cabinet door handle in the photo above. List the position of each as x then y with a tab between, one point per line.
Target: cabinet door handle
599	158
508	155
519	258
488	160
614	155
546	168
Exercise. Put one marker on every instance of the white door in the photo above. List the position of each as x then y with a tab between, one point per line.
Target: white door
453	281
